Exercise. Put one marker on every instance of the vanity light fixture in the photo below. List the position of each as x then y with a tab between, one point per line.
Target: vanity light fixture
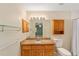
38	18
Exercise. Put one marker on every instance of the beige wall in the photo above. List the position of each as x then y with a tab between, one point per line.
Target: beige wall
47	30
11	14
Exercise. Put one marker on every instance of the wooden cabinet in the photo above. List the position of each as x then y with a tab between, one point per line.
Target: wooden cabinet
58	26
25	26
26	50
38	49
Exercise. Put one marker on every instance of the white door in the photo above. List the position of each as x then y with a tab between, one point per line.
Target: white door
78	37
74	40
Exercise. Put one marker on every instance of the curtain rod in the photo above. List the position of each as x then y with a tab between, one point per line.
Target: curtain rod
9	26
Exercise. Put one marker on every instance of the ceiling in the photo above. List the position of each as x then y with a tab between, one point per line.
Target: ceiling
51	6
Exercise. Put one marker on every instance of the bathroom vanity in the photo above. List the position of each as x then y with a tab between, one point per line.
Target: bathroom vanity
32	47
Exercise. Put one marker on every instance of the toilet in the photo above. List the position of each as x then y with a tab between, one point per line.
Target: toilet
61	51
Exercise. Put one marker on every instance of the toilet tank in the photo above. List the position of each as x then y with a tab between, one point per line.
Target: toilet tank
59	42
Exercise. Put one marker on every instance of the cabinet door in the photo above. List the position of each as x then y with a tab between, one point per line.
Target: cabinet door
25	26
58	26
37	50
26	52
49	50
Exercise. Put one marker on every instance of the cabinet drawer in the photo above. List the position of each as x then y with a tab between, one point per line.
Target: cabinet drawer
37	47
26	47
49	46
37	52
49	53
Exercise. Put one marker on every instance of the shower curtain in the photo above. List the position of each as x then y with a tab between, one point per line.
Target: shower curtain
75	40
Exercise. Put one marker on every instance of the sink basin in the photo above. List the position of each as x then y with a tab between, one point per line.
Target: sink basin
38	41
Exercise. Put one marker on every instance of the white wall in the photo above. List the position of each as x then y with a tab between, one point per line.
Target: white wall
66	15
11	14
75	14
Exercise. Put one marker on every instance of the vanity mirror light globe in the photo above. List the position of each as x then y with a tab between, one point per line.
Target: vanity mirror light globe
42	18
